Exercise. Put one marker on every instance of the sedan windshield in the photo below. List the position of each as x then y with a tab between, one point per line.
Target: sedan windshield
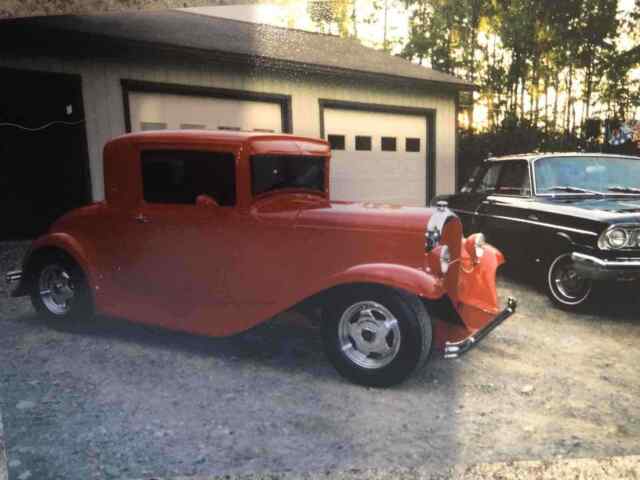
592	175
274	172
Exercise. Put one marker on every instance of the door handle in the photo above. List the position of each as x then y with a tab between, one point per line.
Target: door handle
533	217
140	218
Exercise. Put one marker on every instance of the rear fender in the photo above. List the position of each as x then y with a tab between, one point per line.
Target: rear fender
59	241
414	280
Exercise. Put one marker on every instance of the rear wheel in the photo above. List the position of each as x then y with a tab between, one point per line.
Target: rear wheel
376	336
59	290
565	287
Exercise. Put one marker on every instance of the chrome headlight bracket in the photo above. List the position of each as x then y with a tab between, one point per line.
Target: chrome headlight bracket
435	227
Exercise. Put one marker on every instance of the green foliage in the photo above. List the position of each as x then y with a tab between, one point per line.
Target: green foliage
548	62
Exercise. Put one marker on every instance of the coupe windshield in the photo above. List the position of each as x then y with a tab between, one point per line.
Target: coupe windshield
587	175
274	172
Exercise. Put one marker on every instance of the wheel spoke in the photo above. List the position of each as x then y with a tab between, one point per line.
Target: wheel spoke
369	334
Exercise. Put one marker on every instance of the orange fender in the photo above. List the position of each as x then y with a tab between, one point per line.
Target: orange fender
414	280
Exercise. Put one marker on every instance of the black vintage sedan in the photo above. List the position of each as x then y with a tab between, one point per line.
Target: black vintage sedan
577	215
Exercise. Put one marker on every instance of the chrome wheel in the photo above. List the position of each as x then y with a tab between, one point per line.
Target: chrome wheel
56	289
369	335
565	284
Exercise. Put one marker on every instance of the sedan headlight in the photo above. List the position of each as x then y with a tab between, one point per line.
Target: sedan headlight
620	237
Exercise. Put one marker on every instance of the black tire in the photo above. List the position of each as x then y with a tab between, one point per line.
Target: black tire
79	308
578	290
413	324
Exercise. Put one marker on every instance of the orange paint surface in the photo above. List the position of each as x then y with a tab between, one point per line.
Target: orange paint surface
221	270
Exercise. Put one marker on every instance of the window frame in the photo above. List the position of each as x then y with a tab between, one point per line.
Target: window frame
217	150
308	191
481	173
528	170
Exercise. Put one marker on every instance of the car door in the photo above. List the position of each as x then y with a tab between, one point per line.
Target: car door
179	248
504	214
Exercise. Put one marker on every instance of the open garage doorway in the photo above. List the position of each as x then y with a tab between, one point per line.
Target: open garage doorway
43	150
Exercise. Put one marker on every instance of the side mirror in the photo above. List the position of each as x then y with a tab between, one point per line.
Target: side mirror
206	201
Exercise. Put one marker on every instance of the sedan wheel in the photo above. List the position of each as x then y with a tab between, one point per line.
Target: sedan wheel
565	286
376	336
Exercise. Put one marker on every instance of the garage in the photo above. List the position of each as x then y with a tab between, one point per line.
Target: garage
43	150
380	153
392	123
159	107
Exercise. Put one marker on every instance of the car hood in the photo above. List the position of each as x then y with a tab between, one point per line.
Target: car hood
365	216
605	209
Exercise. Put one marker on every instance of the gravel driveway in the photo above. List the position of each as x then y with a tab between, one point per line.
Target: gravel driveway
121	400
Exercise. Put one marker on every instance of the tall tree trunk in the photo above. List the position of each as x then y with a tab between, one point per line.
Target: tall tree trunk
556	88
354	20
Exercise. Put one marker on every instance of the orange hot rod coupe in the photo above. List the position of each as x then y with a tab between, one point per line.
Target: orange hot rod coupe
215	232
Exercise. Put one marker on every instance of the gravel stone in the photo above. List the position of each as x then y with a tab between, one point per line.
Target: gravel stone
101	395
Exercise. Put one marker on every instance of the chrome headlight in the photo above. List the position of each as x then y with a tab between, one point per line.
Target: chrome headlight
619	237
480	242
445	259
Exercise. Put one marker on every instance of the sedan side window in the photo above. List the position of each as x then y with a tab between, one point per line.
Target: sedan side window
179	176
489	179
514	179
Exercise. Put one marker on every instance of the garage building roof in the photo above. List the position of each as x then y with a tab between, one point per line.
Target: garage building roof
263	45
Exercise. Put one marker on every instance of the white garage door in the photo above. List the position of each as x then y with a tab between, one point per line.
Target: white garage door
378	157
158	111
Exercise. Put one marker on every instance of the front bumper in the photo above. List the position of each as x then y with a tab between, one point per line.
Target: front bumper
595	268
456	349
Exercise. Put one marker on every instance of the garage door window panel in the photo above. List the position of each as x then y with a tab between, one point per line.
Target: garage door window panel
337	142
363	143
179	176
277	172
388	144
412	145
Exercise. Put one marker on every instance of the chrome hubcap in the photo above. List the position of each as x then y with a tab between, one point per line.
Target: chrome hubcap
568	282
56	289
369	334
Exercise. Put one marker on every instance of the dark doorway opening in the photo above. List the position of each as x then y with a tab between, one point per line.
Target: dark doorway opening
44	161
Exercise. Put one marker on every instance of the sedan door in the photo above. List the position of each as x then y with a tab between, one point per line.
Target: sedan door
505	215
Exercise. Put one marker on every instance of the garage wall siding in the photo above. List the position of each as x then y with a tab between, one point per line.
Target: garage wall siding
104	109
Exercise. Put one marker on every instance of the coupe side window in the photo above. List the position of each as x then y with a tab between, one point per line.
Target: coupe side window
179	176
514	179
489	179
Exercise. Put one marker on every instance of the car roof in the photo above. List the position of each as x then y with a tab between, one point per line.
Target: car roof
258	141
535	156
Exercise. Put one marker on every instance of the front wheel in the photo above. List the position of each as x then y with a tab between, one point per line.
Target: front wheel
565	287
60	291
376	336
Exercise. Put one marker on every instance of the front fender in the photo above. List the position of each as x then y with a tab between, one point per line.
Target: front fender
60	241
477	295
414	280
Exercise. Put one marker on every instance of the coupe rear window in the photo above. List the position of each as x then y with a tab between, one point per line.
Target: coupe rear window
275	172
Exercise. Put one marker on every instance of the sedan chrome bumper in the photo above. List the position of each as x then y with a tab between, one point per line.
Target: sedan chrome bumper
595	268
456	349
